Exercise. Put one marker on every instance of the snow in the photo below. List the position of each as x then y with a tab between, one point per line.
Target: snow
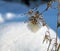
18	37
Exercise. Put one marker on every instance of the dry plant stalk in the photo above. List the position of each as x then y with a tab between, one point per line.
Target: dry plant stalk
47	38
35	20
58	47
49	5
58	25
49	44
37	16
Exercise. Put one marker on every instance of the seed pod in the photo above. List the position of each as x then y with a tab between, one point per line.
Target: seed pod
36	15
30	11
33	20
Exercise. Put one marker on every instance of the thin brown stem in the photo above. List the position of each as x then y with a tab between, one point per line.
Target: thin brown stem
49	44
58	47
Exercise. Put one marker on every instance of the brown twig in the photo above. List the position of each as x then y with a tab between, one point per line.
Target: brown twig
58	47
49	44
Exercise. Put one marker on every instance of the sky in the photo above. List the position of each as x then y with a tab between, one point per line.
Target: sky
13	12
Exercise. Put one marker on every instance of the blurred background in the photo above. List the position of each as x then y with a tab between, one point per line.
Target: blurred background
13	11
28	2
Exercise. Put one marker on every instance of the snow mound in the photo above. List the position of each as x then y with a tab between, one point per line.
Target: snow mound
18	37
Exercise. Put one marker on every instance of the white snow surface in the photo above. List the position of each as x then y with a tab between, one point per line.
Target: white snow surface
18	37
